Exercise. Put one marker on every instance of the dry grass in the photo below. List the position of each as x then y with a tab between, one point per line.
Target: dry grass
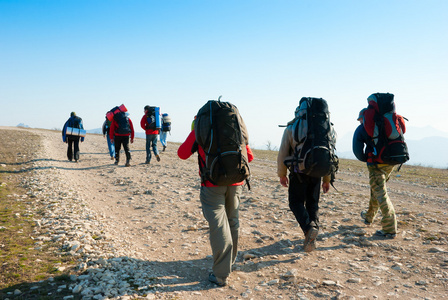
22	266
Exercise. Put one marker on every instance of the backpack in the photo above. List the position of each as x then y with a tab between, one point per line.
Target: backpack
110	114
123	123
75	122
314	154
166	122
222	134
153	118
386	128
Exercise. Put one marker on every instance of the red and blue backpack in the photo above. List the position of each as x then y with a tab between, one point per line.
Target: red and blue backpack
386	128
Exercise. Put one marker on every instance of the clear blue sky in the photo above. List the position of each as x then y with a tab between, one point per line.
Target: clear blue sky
263	56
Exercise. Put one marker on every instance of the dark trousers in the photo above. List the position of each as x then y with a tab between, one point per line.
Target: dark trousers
303	194
122	140
73	147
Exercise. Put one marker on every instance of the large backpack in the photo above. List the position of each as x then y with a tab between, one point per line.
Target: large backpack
166	122
222	134
386	128
75	122
123	123
153	118
314	154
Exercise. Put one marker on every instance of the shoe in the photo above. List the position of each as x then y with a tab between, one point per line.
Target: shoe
112	158
158	157
363	216
385	234
116	162
218	281
146	162
310	239
164	147
128	163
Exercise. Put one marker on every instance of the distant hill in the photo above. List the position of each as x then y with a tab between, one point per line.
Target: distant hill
23	125
428	151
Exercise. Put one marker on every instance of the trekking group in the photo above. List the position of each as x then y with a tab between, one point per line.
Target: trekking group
306	162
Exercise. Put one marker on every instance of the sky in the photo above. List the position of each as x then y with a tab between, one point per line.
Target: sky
263	56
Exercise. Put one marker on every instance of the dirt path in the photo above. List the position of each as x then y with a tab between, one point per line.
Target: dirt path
152	213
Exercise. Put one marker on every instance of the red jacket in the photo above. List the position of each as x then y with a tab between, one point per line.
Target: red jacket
184	152
114	126
144	123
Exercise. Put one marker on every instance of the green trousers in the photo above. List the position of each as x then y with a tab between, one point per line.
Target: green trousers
220	208
379	199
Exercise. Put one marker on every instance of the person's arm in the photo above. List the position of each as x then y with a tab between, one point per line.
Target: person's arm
132	131
81	126
326	183
143	123
358	144
112	131
64	132
184	151
283	152
250	154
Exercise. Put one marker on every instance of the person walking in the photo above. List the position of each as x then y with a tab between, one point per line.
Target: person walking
220	207
151	132
121	130
303	189
72	139
379	174
106	134
166	127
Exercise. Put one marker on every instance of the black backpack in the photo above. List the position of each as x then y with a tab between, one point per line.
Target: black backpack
123	123
222	134
153	118
386	128
75	122
314	154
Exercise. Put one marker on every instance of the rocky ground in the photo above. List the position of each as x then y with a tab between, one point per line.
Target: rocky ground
138	232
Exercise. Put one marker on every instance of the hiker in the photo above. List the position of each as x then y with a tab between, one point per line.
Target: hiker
304	182
121	128
365	150
106	134
149	124
166	127
220	201
72	132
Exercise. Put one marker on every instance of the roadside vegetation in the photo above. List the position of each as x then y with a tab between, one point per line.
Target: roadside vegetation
28	270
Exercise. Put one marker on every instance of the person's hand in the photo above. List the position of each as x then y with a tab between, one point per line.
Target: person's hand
132	141
284	181
111	141
326	187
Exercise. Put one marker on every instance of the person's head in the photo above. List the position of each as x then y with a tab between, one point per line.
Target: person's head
72	114
146	108
361	115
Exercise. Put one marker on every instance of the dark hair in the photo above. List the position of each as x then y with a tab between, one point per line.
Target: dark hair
146	107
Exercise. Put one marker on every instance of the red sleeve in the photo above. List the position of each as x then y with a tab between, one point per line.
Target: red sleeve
143	123
132	129
184	150
250	155
112	129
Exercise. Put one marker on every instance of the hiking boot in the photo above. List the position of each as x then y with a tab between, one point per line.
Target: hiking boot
310	239
164	147
158	157
116	162
128	164
381	233
146	162
112	158
364	218
218	281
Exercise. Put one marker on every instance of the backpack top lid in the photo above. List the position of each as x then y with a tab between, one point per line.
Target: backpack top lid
382	102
